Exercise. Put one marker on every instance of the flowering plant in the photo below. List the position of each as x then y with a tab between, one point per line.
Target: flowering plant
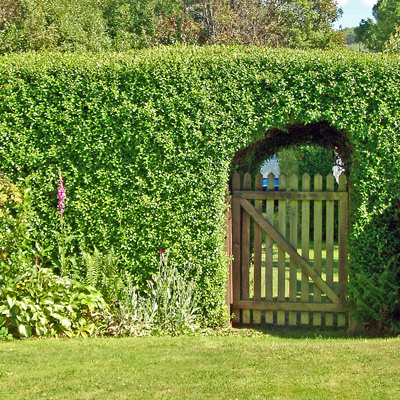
63	240
61	193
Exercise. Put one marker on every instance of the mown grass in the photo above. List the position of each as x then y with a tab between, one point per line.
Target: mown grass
289	364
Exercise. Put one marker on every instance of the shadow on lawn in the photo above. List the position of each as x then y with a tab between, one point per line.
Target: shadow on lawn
295	332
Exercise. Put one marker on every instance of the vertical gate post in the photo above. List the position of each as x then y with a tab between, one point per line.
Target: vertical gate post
317	316
228	250
281	252
245	253
294	210
236	244
330	239
269	260
343	226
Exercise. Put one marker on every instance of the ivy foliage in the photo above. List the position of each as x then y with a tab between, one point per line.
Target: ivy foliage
145	143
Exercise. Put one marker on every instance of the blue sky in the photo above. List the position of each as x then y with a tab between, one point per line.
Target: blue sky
354	11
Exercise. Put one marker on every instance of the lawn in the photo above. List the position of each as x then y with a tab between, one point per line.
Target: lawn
291	364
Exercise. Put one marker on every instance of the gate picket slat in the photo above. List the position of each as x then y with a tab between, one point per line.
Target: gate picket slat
257	252
236	236
317	245
330	224
343	225
305	247
281	252
246	252
294	185
269	261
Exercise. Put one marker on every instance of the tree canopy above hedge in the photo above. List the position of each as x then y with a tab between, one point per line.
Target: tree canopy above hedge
101	25
146	141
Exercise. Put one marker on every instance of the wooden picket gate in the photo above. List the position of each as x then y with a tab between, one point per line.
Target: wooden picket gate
281	274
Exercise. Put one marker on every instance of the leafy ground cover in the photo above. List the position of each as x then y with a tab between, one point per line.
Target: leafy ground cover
246	364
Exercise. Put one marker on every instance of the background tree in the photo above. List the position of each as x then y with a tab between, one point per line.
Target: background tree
393	44
129	22
65	25
365	33
374	34
306	159
309	23
99	25
10	13
387	15
298	23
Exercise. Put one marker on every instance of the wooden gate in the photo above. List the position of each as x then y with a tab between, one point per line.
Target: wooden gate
289	251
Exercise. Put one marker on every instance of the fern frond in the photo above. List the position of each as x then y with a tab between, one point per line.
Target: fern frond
93	267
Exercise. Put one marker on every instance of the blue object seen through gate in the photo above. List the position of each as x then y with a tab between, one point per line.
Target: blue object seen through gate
265	183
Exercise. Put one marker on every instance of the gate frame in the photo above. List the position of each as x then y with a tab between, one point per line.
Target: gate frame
238	200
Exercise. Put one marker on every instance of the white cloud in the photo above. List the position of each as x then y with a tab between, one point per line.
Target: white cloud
342	2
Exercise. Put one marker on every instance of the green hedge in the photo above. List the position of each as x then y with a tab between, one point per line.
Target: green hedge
145	142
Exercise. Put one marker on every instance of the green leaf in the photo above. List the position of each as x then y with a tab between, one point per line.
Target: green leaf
41	330
69	238
57	316
24	330
69	308
65	323
10	301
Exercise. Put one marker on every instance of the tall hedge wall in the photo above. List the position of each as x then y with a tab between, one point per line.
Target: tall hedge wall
145	143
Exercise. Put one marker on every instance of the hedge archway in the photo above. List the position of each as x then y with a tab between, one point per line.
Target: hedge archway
317	133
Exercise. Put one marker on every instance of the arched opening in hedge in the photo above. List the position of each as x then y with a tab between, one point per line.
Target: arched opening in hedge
321	134
261	227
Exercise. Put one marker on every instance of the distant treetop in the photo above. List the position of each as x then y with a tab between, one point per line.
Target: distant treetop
375	35
101	25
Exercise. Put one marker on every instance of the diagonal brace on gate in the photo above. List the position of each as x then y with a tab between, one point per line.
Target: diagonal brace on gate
286	246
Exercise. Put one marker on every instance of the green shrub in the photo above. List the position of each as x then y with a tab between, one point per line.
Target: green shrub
168	306
392	45
146	140
10	204
17	248
5	334
40	303
33	300
377	298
